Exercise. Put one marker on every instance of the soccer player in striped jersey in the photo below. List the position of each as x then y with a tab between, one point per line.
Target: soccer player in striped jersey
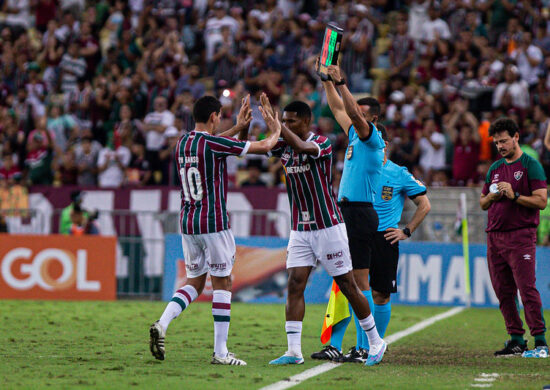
208	244
318	234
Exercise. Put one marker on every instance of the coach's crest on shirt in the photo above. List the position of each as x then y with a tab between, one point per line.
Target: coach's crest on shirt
387	192
518	175
349	154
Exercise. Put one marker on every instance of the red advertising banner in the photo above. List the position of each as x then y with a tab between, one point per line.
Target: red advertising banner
57	267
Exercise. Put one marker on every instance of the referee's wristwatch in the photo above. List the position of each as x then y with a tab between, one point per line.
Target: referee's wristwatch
516	196
407	232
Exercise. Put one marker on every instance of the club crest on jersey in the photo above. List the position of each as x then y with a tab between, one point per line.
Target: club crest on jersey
349	154
387	193
518	175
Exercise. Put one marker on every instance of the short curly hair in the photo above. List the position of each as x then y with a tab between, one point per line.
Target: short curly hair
504	124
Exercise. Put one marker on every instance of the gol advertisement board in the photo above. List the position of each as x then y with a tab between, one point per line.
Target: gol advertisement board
57	267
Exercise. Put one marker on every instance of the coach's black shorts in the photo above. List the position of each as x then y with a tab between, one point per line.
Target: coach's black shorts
383	267
361	225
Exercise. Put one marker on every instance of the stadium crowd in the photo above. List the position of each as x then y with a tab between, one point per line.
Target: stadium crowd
98	92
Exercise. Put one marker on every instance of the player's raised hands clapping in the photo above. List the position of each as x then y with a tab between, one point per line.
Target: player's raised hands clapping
266	104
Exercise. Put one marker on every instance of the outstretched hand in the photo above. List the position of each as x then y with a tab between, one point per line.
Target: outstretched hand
271	120
245	113
266	104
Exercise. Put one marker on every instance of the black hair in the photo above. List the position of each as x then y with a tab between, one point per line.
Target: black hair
204	107
383	132
300	108
504	124
374	105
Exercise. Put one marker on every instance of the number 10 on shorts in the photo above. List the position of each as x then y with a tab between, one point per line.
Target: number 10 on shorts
191	184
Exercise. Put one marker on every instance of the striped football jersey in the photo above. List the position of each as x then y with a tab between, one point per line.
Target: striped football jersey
200	159
309	185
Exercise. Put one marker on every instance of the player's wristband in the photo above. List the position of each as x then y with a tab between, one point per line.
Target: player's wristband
407	231
341	82
516	196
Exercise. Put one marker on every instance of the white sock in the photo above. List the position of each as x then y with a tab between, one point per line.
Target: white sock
181	299
221	311
294	337
370	327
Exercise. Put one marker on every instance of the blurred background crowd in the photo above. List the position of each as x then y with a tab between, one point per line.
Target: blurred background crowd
96	93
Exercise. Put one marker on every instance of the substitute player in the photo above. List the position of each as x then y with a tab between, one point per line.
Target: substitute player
318	233
514	192
362	169
208	244
396	183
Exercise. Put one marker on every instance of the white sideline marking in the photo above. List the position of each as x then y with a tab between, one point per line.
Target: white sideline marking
317	370
487	378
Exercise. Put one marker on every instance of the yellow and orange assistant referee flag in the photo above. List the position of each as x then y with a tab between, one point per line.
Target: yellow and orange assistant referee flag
337	310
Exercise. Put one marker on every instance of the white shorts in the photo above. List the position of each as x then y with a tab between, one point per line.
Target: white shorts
326	246
214	252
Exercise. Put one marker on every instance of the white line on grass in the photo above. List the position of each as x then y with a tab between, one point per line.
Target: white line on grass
317	370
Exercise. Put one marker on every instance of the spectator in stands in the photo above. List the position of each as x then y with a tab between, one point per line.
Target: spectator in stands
432	150
138	172
254	175
512	92
529	59
9	171
66	172
155	124
86	161
166	154
72	67
462	129
38	163
402	50
112	166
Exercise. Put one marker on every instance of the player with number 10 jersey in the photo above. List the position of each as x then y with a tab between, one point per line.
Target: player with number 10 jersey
203	173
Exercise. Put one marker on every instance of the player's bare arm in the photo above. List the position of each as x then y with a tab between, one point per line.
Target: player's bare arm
537	200
295	142
362	127
336	104
243	121
274	125
423	207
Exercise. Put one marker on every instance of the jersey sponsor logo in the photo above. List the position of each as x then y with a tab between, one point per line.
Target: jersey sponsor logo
335	255
305	216
299	169
387	193
349	153
518	175
527	257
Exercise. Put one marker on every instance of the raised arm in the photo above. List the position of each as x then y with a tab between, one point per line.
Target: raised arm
243	121
362	127
547	137
336	105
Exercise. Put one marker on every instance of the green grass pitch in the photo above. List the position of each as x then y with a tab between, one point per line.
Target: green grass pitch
105	346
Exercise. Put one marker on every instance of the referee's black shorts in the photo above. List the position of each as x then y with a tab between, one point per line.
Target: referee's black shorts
383	267
361	225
